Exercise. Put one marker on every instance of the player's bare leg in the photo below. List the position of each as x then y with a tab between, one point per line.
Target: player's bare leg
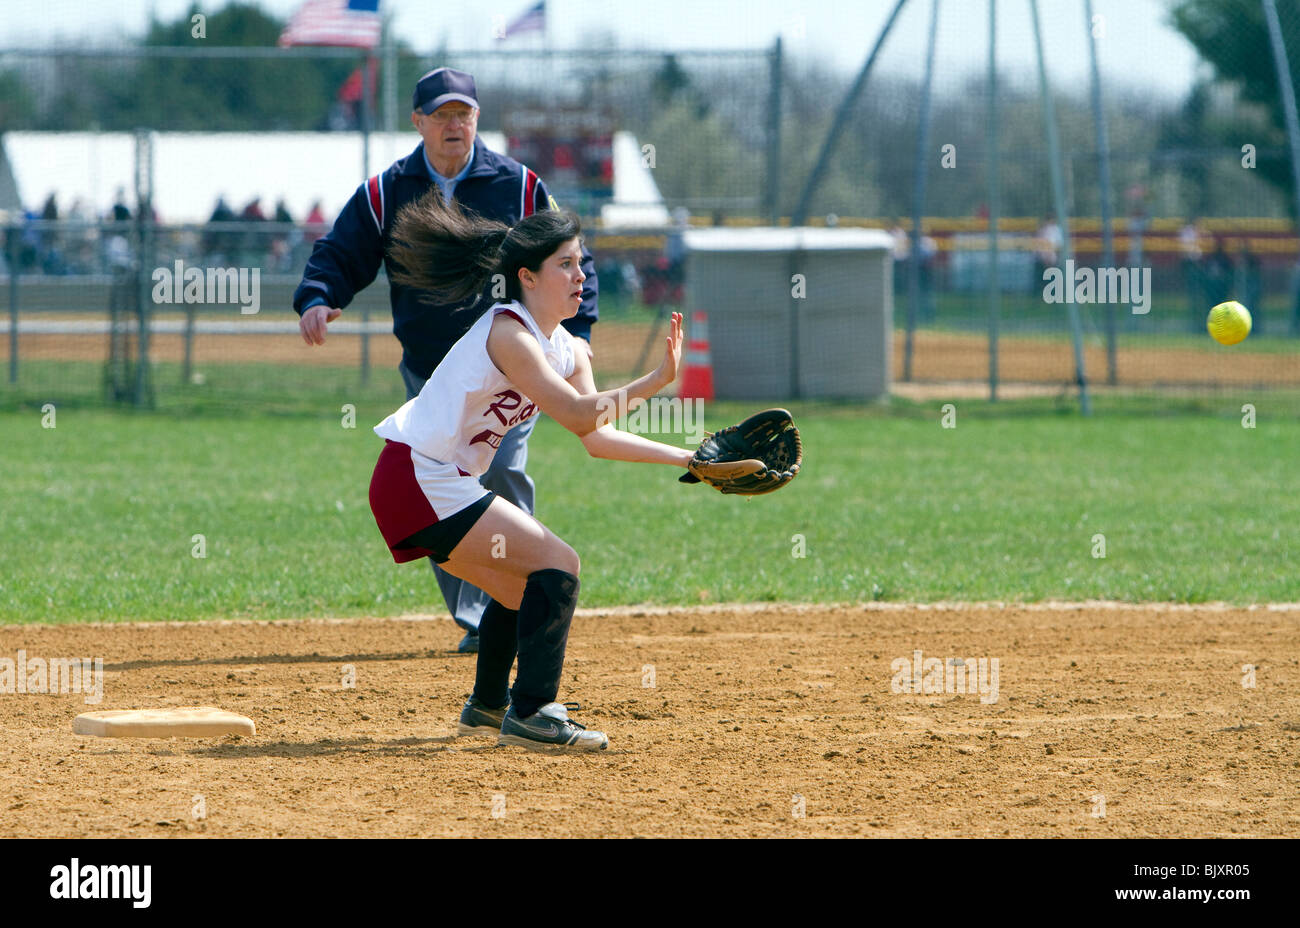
503	548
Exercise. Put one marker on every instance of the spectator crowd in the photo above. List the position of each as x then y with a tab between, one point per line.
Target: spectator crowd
74	240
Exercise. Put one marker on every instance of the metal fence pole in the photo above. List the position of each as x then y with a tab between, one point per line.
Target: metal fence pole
773	194
918	196
797	256
11	239
365	344
1103	176
187	364
363	115
143	263
1062	217
390	77
1287	88
995	205
365	175
839	122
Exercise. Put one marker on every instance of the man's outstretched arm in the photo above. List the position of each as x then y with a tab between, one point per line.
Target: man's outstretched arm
342	263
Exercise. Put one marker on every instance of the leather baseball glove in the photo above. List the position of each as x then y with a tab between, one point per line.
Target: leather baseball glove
759	455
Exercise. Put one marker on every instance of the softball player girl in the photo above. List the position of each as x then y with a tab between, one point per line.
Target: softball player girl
515	361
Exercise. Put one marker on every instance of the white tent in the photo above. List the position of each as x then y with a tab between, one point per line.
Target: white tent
637	201
191	169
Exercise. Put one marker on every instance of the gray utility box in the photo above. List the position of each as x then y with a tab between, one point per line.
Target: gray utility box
775	335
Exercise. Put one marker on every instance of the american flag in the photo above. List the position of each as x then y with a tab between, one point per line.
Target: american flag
531	20
351	23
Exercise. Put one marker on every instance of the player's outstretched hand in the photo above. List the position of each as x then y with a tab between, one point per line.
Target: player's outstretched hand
313	322
672	351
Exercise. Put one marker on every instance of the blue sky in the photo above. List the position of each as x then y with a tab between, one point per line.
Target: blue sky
1138	48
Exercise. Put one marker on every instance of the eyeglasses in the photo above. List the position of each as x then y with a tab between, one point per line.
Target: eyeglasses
442	117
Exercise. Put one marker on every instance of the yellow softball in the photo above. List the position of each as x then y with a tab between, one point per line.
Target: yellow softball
1228	323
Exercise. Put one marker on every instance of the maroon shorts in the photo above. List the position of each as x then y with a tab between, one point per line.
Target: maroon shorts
423	507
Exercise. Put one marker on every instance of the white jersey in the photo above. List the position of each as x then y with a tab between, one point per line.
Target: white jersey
468	405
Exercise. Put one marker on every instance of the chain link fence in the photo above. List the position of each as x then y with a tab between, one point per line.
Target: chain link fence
1199	191
93	286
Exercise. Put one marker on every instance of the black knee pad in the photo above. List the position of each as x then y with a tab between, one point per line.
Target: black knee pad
550	598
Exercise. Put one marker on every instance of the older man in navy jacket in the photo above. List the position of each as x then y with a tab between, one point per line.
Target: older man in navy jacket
445	113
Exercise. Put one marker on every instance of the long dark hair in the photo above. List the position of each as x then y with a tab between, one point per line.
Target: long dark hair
450	255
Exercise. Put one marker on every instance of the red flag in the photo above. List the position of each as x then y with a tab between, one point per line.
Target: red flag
350	91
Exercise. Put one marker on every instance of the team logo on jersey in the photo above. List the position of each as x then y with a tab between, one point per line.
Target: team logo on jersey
510	401
489	438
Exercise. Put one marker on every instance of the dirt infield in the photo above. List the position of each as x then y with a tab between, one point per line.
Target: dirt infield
724	721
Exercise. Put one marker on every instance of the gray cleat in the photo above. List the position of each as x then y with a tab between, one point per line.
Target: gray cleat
478	719
550	730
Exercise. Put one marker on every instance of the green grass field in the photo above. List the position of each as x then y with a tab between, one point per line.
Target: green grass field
99	514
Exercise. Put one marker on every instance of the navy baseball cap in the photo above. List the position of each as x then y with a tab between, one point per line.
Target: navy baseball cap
443	85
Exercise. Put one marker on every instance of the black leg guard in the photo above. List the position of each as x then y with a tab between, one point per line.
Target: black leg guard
497	636
544	616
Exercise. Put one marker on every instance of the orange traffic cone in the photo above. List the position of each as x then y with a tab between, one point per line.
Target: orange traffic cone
697	372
